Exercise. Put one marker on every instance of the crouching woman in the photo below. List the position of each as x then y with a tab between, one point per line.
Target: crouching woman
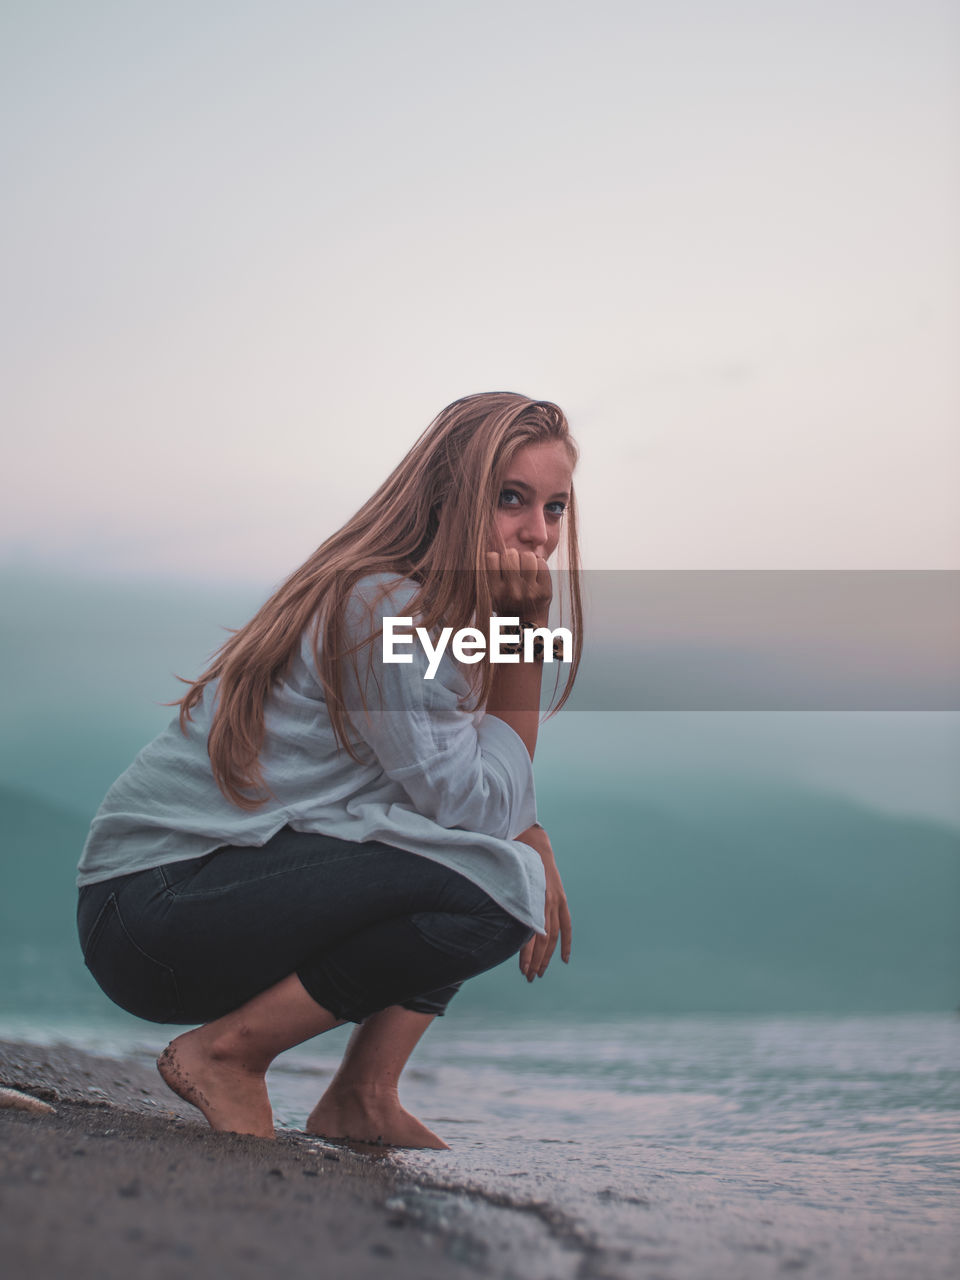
321	836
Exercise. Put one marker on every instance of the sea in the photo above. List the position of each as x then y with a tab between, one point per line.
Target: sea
683	1147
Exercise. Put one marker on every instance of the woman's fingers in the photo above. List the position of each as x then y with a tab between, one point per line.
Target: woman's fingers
548	950
511	578
566	932
520	582
529	568
539	950
537	585
492	560
539	944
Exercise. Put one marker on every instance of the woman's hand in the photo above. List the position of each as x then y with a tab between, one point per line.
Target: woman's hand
536	954
520	585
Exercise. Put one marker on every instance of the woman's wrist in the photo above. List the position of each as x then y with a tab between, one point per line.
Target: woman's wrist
530	639
538	840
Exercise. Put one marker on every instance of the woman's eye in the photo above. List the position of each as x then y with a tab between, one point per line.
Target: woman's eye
510	498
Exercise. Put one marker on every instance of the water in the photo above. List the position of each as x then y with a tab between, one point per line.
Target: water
680	1147
715	1146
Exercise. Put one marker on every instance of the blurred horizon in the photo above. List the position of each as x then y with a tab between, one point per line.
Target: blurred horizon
88	664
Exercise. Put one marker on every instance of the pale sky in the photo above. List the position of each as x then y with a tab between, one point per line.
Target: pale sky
250	249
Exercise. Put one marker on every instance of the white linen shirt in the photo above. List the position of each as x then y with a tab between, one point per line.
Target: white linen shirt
434	779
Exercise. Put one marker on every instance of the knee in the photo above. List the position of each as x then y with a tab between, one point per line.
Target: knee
490	937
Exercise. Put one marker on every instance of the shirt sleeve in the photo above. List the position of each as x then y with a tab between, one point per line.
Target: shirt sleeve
457	770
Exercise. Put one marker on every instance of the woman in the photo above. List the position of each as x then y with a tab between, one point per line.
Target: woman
324	836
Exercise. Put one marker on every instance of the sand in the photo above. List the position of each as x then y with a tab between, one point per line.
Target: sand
123	1179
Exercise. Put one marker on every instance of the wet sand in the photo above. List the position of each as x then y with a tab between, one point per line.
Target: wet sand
123	1178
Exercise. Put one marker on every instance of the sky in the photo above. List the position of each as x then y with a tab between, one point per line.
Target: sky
250	249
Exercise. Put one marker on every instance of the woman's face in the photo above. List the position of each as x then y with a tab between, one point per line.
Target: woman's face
534	497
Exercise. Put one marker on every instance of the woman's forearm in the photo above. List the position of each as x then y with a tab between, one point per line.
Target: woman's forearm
535	955
520	587
536	837
515	699
510	706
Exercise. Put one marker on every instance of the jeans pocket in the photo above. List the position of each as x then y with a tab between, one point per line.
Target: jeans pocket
177	876
124	972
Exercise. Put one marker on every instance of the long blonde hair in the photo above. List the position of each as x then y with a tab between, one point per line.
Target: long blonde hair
434	513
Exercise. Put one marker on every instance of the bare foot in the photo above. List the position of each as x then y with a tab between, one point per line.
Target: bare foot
356	1115
233	1098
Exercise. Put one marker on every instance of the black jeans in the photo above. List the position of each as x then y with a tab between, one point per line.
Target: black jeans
363	926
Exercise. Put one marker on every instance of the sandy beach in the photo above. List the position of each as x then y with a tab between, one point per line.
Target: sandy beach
122	1179
820	1147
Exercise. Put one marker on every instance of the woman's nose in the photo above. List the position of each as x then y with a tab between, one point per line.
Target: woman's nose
533	528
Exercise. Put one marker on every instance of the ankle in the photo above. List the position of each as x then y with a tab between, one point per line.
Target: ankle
372	1089
237	1048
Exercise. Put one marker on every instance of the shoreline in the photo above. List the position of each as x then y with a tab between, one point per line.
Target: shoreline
123	1177
826	1149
